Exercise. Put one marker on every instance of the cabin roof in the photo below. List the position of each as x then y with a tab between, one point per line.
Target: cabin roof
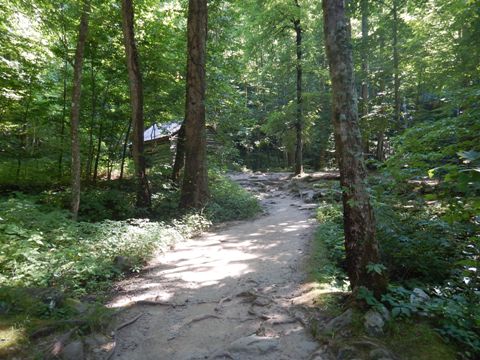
156	131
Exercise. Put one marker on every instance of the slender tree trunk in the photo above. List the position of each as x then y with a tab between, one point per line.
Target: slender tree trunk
64	109
299	120
124	151
75	116
88	170
62	127
365	71
136	99
97	155
380	150
179	154
380	155
360	240
396	62
194	192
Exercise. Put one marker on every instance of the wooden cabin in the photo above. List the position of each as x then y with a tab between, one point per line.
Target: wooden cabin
160	142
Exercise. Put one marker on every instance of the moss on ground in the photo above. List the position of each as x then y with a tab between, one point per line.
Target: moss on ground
418	340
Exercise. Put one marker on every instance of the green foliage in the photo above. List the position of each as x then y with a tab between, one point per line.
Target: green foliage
100	204
229	201
405	233
418	249
42	247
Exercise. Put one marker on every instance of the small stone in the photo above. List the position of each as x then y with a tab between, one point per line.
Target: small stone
419	296
379	354
321	354
383	311
95	340
262	301
122	263
347	353
374	323
339	323
73	351
254	344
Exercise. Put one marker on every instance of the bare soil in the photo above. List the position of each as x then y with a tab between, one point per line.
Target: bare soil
237	292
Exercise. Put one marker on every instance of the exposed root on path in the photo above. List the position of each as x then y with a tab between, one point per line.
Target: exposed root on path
117	329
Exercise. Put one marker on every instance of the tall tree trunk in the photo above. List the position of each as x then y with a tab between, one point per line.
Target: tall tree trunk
299	114
179	154
360	240
299	121
380	150
97	155
396	62
380	153
88	168
64	108
194	192
136	99
75	116
64	115
124	151
365	70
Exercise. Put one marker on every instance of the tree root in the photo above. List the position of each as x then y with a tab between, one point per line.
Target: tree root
58	345
201	318
220	303
119	327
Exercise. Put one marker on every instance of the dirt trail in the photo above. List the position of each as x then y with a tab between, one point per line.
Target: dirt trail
234	293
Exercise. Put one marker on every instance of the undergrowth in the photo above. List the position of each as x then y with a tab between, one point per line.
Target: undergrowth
420	251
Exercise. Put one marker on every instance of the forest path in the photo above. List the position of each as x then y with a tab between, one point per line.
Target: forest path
233	293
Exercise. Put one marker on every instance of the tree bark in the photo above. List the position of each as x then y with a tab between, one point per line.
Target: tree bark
194	193
136	100
299	121
179	154
365	70
64	107
64	115
124	151
88	168
396	62
75	115
97	155
359	223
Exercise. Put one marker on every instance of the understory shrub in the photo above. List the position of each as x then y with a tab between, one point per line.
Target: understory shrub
43	247
420	250
229	201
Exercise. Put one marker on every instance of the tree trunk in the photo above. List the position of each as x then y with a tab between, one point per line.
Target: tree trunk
194	192
365	71
380	153
359	223
396	62
88	168
97	155
299	120
179	154
75	116
64	108
62	126
124	151
136	100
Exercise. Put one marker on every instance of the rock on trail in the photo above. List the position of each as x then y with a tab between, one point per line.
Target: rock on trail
229	294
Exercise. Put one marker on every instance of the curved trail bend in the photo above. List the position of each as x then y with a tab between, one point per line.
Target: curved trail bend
233	293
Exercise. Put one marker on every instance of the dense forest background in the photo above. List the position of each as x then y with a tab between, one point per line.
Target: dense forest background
417	73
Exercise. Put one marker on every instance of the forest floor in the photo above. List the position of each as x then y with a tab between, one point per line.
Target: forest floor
241	291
